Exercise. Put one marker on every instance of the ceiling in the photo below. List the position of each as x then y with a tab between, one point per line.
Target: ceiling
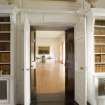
49	34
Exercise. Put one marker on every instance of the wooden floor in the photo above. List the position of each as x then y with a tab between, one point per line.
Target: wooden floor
50	83
50	78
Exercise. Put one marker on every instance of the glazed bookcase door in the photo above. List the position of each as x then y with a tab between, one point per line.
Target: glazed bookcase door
5	58
99	38
5	52
7	45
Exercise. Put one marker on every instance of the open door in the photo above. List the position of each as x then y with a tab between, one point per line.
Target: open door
80	63
26	62
33	66
69	66
75	66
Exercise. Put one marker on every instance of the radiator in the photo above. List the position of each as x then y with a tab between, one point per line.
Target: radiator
3	89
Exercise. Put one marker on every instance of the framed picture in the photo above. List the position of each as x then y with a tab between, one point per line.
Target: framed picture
43	50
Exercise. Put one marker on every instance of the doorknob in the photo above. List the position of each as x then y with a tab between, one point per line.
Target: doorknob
81	68
28	69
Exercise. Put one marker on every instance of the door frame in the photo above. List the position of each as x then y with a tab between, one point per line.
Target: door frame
66	75
73	27
78	69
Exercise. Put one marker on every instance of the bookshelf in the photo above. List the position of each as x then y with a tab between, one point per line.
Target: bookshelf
5	52
99	38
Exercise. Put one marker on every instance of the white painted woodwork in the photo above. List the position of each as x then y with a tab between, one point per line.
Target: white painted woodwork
80	63
9	11
92	91
26	62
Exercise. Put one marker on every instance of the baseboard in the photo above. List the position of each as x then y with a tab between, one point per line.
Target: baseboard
71	102
76	103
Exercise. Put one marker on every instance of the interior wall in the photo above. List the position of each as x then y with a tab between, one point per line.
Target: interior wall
53	43
62	49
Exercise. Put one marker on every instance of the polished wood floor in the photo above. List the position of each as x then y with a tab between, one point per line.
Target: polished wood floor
50	83
50	78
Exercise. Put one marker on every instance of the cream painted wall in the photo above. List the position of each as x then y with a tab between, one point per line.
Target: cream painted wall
53	43
62	48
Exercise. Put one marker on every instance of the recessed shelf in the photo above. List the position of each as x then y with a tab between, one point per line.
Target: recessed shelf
5	51
4	31
99	26
100	63
4	23
99	43
99	35
5	41
5	63
100	53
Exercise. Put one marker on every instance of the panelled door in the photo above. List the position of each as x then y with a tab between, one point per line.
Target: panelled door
69	66
33	65
26	62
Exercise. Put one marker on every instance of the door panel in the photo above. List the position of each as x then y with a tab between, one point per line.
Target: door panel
69	65
33	65
80	63
26	62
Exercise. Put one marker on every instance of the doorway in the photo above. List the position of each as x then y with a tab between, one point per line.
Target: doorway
52	74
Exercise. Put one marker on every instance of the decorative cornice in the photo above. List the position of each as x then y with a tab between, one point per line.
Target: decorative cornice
92	3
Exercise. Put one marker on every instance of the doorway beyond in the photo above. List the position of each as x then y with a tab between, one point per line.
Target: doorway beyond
53	77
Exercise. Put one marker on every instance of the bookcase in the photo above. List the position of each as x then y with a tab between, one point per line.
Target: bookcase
5	52
99	38
95	42
7	55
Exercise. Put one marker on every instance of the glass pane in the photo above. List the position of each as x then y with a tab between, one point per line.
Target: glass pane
4	46
4	69
4	57
4	36
5	27
101	87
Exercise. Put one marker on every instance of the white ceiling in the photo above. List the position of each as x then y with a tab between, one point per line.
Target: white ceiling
49	34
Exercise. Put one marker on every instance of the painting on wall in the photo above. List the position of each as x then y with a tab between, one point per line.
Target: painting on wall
43	50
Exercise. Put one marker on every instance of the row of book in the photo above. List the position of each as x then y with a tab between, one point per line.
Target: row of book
100	49
5	27
4	57
4	46
4	36
99	31
100	39
100	58
4	69
100	68
5	19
